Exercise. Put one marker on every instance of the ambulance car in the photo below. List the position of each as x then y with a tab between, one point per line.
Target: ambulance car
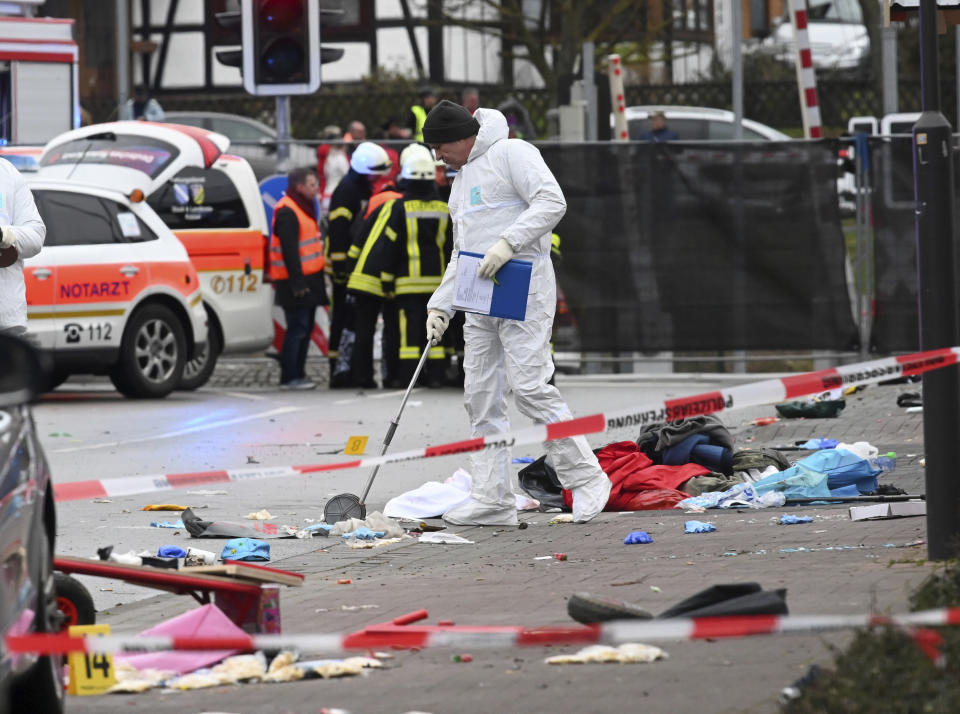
113	290
210	200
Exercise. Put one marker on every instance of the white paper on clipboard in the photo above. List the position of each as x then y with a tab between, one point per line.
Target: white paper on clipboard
471	292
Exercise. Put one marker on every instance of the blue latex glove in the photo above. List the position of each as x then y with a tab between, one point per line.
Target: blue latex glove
171	551
819	444
786	520
365	534
637	537
322	528
698	527
167	524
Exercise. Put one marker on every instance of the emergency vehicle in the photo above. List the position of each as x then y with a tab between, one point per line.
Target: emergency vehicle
211	202
38	79
113	290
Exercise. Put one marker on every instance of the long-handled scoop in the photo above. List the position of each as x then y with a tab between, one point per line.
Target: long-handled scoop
347	505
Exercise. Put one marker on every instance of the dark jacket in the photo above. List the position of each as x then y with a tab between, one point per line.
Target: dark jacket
347	205
288	231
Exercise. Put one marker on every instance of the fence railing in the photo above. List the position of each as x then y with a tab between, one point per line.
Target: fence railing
774	103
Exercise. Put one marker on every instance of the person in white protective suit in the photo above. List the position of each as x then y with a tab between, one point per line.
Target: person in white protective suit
21	236
504	204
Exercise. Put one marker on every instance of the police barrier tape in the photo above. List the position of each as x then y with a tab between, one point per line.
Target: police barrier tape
412	636
769	391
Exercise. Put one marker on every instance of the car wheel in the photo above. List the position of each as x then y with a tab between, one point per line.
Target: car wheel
74	601
197	372
40	688
152	354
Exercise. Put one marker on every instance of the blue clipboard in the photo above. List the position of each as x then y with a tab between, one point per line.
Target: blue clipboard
509	298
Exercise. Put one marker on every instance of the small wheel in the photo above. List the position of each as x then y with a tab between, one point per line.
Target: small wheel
74	601
197	372
152	354
40	688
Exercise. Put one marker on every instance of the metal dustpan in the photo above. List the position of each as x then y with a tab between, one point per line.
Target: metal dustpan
347	505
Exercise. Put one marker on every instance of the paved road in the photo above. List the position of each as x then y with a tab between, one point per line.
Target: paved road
830	566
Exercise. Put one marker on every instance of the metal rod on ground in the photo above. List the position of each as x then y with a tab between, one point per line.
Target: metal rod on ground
878	497
395	423
346	505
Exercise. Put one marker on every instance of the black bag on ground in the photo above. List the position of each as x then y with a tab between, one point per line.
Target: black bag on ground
730	599
540	481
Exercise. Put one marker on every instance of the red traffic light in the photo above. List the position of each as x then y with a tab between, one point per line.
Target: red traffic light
280	15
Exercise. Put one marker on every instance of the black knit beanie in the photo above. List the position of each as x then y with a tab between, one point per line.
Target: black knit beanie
448	122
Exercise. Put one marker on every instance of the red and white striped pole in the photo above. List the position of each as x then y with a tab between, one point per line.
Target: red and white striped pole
806	79
618	100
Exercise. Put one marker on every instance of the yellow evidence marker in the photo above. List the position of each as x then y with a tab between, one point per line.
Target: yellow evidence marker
90	673
356	445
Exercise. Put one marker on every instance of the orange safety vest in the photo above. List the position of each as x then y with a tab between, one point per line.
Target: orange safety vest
311	244
378	199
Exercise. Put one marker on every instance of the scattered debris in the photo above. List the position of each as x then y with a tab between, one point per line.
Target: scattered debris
628	653
447	538
698	527
262	515
164	507
789	520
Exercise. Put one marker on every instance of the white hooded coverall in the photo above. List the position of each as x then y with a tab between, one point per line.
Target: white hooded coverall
505	190
19	212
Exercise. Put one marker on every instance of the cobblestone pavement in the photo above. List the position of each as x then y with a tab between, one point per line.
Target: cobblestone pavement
830	566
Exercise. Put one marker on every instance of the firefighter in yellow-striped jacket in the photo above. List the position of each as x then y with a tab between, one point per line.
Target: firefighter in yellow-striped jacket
409	247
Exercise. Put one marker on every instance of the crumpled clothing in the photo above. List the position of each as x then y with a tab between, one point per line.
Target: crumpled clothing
164	507
676	431
637	537
698	527
743	494
374	521
637	483
789	520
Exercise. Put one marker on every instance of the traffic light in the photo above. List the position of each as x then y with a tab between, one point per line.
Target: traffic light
281	46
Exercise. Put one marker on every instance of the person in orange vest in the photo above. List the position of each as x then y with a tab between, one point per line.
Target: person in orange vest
296	270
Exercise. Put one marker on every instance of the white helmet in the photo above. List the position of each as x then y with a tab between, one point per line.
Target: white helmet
417	164
369	158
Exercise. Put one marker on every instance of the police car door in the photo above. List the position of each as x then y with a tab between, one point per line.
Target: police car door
99	270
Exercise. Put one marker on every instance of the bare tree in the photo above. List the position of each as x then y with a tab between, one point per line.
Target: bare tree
550	33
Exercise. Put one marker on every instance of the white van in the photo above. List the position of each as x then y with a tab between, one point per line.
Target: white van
838	37
209	199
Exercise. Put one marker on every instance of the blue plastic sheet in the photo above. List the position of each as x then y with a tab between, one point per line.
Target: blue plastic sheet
789	520
698	527
167	524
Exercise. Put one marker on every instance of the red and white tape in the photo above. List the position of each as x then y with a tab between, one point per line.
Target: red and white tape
413	636
769	391
806	79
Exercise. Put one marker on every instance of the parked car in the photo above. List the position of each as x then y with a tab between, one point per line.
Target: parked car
28	599
210	200
838	37
698	124
113	290
249	138
708	124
